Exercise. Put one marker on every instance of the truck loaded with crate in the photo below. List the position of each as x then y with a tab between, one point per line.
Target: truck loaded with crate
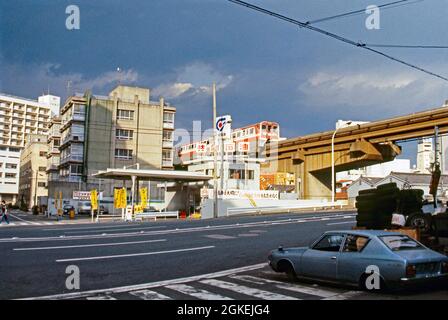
377	207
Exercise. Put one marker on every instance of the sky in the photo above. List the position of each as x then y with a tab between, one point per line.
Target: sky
265	69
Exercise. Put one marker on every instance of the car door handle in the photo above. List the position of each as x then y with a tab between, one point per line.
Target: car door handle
333	258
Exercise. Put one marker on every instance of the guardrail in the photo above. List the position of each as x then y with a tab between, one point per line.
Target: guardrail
277	209
157	214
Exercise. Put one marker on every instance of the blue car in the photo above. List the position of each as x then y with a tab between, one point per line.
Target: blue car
347	257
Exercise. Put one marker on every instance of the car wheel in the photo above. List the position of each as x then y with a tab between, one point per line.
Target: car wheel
286	267
419	220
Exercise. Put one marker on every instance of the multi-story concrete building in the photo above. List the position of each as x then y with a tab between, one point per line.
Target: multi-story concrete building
425	156
53	102
124	128
33	164
19	117
53	154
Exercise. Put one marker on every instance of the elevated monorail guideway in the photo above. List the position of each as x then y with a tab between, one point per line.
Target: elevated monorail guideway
309	157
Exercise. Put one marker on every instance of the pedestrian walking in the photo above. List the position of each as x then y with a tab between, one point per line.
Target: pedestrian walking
4	211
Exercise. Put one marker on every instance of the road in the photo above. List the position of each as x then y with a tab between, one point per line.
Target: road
215	259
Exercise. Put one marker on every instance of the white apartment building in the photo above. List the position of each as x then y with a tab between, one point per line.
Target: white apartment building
425	156
19	117
51	101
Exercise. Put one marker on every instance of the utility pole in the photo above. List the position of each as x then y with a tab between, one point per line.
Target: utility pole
436	168
215	158
35	189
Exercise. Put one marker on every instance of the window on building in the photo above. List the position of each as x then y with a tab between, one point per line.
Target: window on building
167	135
125	114
241	174
125	154
75	169
167	155
168	117
79	109
10	175
14	149
41	184
42	169
10	166
56	142
42	154
123	134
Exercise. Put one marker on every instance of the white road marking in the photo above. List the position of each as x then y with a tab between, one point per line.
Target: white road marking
345	296
163	232
149	295
291	287
89	228
219	236
106	297
18	218
134	254
260	294
115	230
89	245
344	222
81	294
248	235
197	293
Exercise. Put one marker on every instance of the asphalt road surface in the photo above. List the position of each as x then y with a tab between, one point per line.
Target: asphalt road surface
215	259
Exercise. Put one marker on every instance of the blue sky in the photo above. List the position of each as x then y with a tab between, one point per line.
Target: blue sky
266	69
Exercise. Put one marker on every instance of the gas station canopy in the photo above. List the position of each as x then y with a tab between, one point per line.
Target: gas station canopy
152	175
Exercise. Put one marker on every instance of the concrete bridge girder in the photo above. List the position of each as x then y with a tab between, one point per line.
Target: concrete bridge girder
312	167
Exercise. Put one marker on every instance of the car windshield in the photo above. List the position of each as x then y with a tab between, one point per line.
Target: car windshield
397	243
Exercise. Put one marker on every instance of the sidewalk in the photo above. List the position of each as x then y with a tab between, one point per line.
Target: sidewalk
29	217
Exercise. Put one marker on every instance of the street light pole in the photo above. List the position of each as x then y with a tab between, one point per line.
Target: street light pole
333	178
215	158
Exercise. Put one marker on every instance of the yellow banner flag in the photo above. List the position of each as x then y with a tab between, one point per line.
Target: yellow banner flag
144	197
120	198
94	199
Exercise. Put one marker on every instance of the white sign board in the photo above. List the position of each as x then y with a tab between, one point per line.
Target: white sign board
81	195
241	194
224	125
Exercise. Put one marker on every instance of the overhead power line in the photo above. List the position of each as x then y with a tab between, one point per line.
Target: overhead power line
334	36
355	12
389	5
401	46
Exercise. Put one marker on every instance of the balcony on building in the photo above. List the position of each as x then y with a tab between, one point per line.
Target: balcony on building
168	120
72	138
70	178
31	110
72	158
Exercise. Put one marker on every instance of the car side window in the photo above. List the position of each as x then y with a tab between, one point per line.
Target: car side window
355	243
329	243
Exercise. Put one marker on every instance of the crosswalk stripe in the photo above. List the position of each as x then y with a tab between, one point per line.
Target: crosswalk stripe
197	293
106	297
287	286
23	223
344	296
261	294
149	295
